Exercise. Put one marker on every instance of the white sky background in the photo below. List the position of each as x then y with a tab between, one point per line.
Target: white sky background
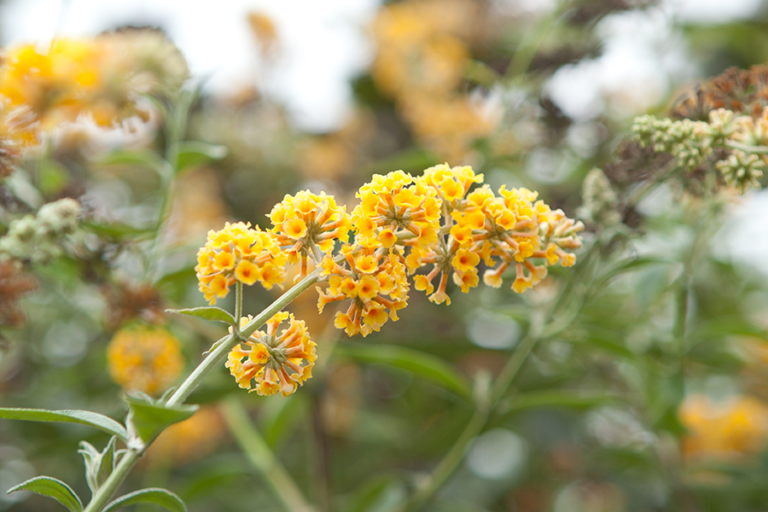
324	44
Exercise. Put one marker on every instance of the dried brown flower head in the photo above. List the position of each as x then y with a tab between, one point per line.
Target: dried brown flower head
743	91
128	302
13	284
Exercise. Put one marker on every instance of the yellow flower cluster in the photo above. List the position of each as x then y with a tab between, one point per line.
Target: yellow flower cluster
308	224
239	253
402	223
723	430
396	202
422	53
375	282
101	79
144	359
513	229
276	363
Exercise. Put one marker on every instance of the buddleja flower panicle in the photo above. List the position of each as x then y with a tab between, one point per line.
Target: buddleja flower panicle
239	253
269	363
403	223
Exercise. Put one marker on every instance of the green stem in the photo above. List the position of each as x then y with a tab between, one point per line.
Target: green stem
455	455
258	452
450	462
319	441
215	357
106	491
238	305
762	150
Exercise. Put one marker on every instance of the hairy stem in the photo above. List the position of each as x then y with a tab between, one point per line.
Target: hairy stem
259	454
106	491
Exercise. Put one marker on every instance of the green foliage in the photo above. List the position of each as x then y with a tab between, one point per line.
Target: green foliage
423	365
51	488
208	313
161	497
148	418
92	419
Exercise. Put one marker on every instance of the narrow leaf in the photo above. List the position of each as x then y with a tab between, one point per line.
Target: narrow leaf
161	497
115	231
89	418
560	399
146	418
51	488
207	312
424	365
106	463
195	153
141	158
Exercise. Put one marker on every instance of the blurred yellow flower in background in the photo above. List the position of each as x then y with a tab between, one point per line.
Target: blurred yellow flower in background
722	430
145	359
188	440
423	50
102	79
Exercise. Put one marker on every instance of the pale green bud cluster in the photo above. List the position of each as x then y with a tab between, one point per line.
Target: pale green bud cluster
687	140
741	141
39	238
741	169
600	202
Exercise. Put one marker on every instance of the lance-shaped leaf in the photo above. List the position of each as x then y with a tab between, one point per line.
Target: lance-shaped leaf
116	231
137	158
51	488
206	312
556	399
194	153
147	418
89	418
423	365
98	465
161	497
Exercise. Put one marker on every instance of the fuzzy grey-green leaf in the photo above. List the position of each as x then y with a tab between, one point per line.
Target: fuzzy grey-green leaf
207	313
161	497
92	419
147	418
51	488
195	153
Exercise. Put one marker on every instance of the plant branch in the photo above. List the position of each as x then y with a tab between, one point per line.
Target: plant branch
194	378
102	497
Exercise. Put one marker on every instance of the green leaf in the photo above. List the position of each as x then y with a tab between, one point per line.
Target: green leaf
115	231
140	158
51	177
161	497
146	418
207	312
196	153
627	265
52	488
98	465
92	419
554	399
424	365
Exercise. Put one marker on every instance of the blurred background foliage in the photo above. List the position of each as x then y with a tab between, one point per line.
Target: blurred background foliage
649	391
